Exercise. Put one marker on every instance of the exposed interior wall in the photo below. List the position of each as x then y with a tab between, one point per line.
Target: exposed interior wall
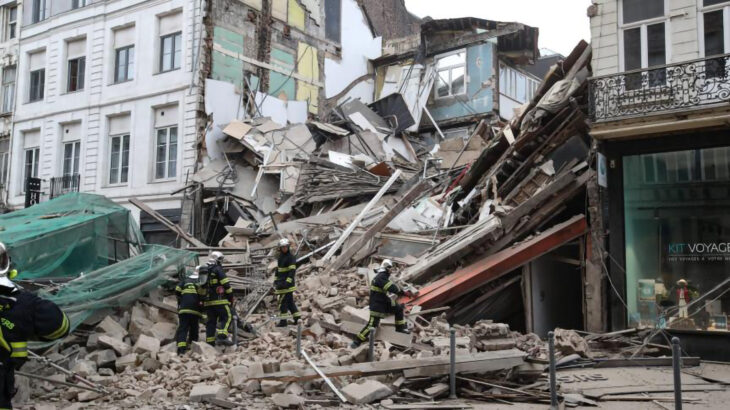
391	19
555	293
480	87
358	45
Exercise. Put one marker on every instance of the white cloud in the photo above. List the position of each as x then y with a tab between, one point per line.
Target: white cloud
562	23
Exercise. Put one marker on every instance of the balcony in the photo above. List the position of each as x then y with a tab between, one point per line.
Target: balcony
681	87
65	184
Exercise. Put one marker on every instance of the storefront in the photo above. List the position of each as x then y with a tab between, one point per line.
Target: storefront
668	208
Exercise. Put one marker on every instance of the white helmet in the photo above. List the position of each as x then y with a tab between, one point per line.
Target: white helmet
283	242
215	256
387	264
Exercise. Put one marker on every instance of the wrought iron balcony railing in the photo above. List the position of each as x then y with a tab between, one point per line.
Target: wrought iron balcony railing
65	184
663	89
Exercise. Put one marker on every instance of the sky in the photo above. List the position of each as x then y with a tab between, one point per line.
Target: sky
562	23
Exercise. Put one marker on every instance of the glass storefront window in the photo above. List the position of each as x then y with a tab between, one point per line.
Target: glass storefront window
677	232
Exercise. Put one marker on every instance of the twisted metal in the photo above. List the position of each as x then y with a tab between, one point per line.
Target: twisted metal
675	87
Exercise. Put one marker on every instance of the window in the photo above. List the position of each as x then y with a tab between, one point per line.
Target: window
75	4
124	65
37	82
516	85
12	17
170	51
715	35
119	159
4	161
76	68
39	11
644	40
71	153
332	26
8	88
451	71
166	159
30	166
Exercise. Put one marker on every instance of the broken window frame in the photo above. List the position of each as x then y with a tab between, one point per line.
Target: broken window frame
509	87
449	69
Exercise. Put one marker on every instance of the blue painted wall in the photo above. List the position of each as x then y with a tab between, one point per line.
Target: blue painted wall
478	99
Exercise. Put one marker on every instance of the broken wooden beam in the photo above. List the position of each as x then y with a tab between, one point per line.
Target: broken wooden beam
414	193
431	366
495	266
167	223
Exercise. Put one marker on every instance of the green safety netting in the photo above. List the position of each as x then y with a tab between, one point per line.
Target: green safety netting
119	284
69	235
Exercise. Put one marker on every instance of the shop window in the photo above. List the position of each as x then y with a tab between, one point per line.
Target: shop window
677	238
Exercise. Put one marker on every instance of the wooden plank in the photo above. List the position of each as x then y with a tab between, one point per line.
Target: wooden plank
439	366
362	213
166	222
470	277
412	194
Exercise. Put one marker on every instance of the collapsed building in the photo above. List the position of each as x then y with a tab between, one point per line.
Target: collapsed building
480	185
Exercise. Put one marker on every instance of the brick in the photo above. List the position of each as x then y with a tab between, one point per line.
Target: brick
116	344
270	387
237	375
146	344
125	361
111	327
204	350
287	401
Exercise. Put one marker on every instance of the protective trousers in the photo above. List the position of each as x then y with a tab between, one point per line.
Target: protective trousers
7	385
187	330
219	319
287	307
393	308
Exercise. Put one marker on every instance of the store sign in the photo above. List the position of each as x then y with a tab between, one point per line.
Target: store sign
699	252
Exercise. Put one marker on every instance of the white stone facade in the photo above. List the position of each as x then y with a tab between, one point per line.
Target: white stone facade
109	106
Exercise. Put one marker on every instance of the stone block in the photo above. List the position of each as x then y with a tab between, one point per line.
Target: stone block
151	365
139	325
237	375
367	392
270	387
111	327
287	401
84	368
103	358
129	360
251	386
202	391
163	331
116	344
437	390
204	350
146	344
256	369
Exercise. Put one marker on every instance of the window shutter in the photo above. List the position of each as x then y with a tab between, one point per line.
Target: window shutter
76	48
172	23
124	37
119	125
166	116
38	61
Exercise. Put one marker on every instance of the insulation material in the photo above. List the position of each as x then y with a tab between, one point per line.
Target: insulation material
282	111
296	15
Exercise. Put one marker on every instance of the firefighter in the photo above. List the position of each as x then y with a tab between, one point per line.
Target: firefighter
285	285
23	317
189	309
381	305
218	302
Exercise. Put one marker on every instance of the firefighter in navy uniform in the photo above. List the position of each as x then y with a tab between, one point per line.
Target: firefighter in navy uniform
218	302
381	305
285	284
23	317
189	309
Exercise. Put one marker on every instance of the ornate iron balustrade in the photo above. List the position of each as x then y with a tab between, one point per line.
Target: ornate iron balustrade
674	87
65	184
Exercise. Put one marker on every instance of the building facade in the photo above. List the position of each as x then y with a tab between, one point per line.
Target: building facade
107	99
659	106
10	15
